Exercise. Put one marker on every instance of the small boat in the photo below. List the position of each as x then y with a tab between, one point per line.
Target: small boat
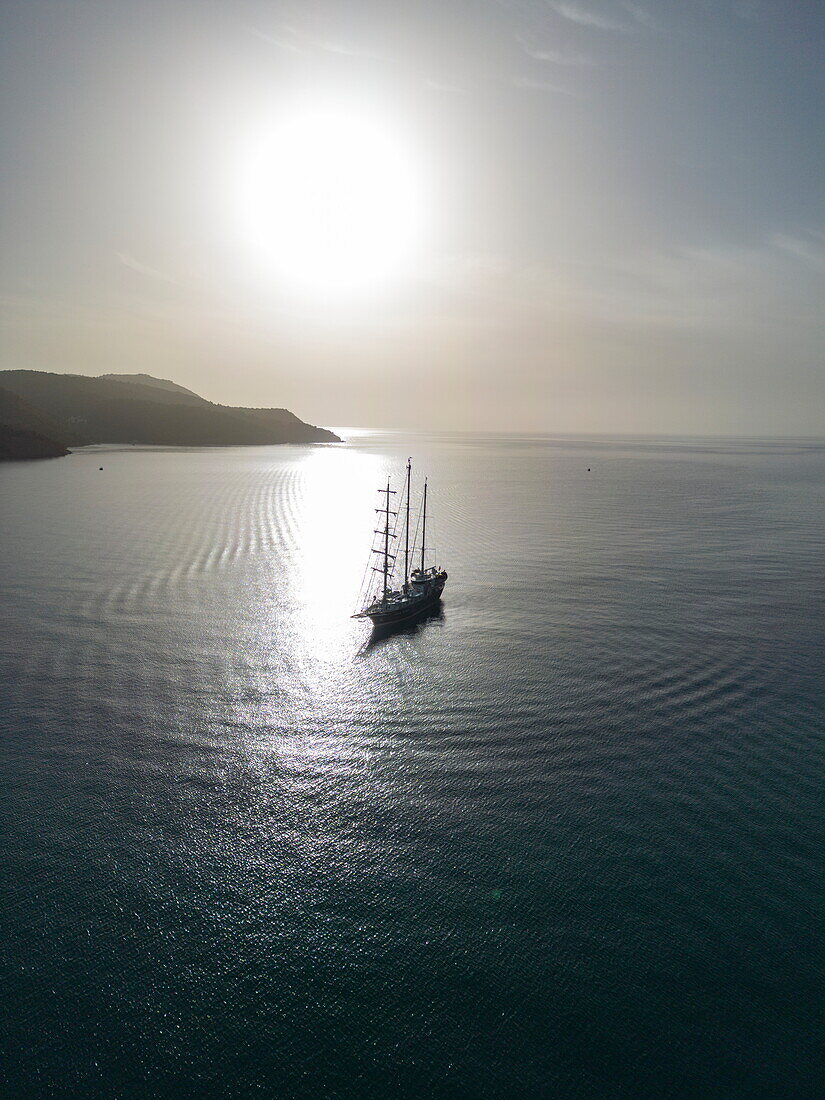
422	587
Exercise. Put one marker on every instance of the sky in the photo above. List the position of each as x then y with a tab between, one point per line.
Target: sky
517	215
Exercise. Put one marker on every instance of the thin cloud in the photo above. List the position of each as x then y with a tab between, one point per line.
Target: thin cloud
586	17
443	85
293	40
144	269
344	49
569	58
603	20
282	43
536	84
810	248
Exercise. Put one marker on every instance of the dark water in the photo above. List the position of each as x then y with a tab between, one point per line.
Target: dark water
564	840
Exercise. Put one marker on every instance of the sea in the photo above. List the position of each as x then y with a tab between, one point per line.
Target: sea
564	838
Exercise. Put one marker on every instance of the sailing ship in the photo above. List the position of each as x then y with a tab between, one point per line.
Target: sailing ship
422	587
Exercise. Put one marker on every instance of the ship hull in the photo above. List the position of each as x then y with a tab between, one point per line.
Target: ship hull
406	615
409	609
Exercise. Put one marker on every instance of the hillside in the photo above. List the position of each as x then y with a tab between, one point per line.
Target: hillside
184	395
26	432
20	443
77	410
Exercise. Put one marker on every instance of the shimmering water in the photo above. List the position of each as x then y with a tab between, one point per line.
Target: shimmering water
563	840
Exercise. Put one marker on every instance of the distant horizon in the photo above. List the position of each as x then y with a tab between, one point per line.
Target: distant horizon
479	431
342	428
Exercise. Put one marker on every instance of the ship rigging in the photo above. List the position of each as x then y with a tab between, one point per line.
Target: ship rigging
422	587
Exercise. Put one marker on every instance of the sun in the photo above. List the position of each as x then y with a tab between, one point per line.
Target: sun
331	200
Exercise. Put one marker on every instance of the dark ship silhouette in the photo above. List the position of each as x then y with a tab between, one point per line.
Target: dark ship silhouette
422	587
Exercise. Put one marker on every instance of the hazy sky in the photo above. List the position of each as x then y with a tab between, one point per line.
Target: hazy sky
615	220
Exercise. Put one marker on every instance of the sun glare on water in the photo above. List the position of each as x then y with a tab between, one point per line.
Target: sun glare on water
331	200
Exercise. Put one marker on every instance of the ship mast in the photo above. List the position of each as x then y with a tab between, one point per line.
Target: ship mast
407	532
385	553
387	545
423	526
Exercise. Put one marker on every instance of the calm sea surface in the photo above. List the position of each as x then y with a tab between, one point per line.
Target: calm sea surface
564	840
